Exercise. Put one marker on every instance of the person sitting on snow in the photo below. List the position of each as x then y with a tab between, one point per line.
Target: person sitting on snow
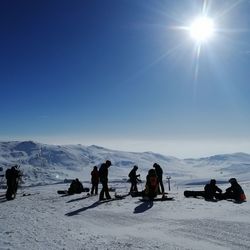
75	187
234	192
152	184
212	191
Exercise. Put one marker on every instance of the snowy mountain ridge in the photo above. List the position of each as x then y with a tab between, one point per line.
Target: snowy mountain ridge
43	163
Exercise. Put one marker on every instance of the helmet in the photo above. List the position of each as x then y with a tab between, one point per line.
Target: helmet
232	180
135	167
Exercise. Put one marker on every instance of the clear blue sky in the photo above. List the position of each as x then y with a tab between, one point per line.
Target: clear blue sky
121	74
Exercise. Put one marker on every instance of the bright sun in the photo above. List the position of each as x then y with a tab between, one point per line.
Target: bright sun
202	29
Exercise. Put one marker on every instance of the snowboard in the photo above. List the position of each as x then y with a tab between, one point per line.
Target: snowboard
141	193
112	199
66	191
188	193
158	199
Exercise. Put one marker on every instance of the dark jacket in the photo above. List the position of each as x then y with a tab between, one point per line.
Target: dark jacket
95	177
237	191
76	187
103	173
158	171
133	176
152	184
211	189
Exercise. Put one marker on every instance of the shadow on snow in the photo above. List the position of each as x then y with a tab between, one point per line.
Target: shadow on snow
97	203
144	206
78	199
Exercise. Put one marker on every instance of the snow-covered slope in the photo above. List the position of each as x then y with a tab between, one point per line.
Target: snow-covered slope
46	220
42	163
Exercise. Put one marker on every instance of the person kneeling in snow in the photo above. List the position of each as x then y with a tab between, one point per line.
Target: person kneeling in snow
152	184
234	192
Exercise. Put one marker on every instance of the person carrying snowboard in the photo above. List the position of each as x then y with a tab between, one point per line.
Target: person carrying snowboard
103	175
159	173
211	191
152	184
234	192
133	178
94	180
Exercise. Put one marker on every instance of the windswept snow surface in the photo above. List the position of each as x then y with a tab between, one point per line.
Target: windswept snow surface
46	220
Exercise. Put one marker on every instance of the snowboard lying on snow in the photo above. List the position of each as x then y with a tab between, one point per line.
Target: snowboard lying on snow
141	194
157	199
189	193
84	190
66	191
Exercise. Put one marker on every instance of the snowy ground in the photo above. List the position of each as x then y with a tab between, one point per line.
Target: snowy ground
46	220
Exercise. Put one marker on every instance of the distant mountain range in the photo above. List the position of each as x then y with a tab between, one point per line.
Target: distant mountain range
43	163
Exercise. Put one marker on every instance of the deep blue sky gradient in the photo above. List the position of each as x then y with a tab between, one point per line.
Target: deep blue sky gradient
95	72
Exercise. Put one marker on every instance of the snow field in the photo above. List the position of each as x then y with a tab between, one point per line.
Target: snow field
46	220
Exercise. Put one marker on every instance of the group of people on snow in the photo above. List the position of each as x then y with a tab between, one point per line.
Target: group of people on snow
154	184
212	192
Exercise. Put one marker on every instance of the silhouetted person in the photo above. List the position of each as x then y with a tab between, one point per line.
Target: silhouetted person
133	177
76	187
235	191
212	191
94	180
152	184
12	176
159	173
103	175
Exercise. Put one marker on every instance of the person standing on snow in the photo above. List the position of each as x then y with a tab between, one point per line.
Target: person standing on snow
103	174
133	177
159	173
94	180
12	175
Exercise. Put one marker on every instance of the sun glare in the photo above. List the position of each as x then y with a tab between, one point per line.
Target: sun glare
202	29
